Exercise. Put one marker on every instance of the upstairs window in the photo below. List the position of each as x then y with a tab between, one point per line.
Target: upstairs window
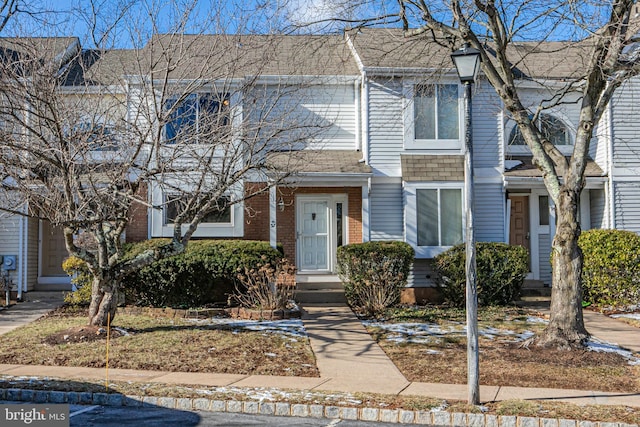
198	118
551	127
176	204
435	112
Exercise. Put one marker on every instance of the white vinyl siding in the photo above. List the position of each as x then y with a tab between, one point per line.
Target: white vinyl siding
386	130
386	211
487	149
626	115
33	249
314	116
9	234
597	205
544	253
489	213
421	274
627	206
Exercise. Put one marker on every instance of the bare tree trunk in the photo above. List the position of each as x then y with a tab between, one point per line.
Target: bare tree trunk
104	301
566	326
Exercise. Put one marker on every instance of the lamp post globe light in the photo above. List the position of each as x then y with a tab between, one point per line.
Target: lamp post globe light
467	61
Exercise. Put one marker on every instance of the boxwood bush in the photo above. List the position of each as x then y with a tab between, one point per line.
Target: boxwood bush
501	270
611	271
374	274
205	273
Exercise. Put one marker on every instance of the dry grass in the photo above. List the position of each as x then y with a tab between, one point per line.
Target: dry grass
161	344
503	362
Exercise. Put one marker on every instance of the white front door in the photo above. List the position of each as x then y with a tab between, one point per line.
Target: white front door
313	235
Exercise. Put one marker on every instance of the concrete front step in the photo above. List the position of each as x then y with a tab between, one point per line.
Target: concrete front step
314	286
535	292
320	296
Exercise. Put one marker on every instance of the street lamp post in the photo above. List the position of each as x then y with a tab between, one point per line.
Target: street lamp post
467	61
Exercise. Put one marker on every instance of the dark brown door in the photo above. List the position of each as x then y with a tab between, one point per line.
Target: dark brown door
519	231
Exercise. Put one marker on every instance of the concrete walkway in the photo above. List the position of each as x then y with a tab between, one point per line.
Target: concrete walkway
347	358
36	305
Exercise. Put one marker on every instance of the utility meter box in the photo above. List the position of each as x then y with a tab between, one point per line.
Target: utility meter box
9	262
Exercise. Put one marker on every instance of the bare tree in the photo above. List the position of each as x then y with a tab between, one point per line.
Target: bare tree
88	134
603	61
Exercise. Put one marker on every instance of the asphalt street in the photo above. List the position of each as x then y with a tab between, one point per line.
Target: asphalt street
107	416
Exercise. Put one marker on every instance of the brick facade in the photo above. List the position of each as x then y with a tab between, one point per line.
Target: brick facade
256	213
286	219
138	227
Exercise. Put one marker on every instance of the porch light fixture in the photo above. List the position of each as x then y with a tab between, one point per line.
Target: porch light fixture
281	204
467	61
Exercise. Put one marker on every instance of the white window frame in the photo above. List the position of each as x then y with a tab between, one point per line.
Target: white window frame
410	142
411	215
159	228
225	96
524	149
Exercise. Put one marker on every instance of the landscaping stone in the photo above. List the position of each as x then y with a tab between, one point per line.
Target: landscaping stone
234	406
475	420
491	421
73	397
406	417
133	401
26	395
283	409
316	411
459	419
218	406
40	396
349	413
267	408
250	407
184	404
332	412
551	422
528	422
299	410
389	415
58	397
149	401
508	421
85	398
115	399
201	404
567	423
441	418
369	414
167	402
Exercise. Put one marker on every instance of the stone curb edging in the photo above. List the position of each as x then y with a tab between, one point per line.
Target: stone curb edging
401	416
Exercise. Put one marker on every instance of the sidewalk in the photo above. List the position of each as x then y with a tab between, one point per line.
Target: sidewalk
347	358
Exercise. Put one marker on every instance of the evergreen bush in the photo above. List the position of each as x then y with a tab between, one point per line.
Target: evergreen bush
500	268
374	274
207	272
611	271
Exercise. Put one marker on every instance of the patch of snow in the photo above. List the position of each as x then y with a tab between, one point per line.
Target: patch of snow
511	164
271	355
595	344
635	316
429	333
123	332
535	319
291	328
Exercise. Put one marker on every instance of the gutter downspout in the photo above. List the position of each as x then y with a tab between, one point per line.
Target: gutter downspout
21	259
612	213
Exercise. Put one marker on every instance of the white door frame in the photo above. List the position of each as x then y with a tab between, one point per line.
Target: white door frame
332	224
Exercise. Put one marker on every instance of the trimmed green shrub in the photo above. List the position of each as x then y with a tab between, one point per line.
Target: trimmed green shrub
81	278
611	271
374	274
207	272
500	268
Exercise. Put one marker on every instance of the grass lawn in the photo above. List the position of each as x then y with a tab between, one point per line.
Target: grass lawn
429	345
163	344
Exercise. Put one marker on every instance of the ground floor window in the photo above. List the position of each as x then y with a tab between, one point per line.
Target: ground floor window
434	217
